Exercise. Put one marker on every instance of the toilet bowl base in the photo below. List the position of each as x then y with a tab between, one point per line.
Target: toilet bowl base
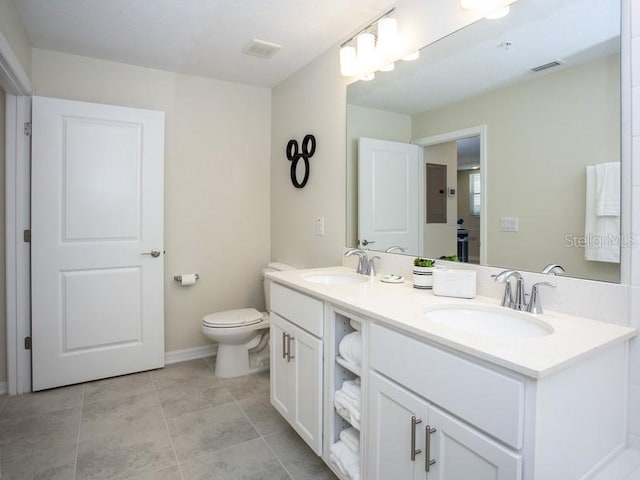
233	361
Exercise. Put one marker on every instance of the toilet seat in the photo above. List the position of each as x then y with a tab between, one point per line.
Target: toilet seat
242	317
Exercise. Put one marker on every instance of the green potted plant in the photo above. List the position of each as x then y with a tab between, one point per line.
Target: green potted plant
423	272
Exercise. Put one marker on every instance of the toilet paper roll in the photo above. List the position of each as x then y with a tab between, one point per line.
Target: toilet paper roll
188	279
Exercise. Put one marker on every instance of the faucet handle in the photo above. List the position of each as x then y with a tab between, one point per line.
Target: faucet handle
535	305
371	265
507	296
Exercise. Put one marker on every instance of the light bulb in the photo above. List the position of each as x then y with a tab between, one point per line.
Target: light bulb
367	54
387	31
348	61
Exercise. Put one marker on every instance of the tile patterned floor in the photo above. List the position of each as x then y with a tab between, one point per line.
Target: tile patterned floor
177	423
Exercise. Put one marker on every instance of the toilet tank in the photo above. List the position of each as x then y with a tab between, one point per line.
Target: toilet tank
272	267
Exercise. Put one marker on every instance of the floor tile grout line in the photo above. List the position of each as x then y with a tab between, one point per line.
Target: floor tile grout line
75	464
277	457
166	426
262	437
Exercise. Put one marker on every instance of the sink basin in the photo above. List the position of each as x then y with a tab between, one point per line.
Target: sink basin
336	278
492	322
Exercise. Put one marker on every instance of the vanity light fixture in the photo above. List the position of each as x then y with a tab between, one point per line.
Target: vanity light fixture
373	48
494	8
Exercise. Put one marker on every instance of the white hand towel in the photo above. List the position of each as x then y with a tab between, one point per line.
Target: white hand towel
345	460
352	389
602	233
351	438
608	189
349	403
350	347
338	463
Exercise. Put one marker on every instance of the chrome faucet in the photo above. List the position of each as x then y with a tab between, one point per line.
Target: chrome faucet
365	264
516	301
395	248
553	268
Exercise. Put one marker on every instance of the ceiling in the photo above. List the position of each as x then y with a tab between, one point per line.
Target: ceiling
477	59
197	37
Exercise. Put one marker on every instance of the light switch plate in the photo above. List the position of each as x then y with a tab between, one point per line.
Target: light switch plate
320	226
508	224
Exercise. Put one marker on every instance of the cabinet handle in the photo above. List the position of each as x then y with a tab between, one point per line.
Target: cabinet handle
414	421
427	446
284	344
289	356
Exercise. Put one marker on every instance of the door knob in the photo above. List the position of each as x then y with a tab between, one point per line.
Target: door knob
154	253
366	242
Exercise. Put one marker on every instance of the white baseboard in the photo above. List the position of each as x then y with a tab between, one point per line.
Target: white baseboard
3	388
187	354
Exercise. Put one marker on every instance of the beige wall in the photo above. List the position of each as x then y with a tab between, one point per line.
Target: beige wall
368	122
312	101
216	178
3	319
535	166
13	30
440	238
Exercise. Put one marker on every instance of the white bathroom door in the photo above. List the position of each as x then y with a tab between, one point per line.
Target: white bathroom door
389	195
97	214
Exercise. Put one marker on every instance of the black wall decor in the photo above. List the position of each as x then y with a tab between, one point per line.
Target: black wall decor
294	155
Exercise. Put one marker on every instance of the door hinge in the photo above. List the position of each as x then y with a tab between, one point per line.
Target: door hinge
26	236
27	343
27	129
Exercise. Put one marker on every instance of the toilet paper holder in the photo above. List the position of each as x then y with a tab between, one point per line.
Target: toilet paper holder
178	278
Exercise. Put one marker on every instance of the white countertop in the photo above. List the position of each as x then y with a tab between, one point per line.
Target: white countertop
403	307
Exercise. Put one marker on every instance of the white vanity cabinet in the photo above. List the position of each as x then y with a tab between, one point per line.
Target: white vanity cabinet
439	408
411	439
296	362
487	423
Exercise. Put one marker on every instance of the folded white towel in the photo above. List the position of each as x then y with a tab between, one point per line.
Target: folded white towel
338	463
602	233
343	412
349	403
351	438
346	461
350	347
351	388
608	189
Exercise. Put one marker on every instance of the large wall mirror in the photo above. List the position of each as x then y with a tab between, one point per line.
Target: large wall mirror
500	145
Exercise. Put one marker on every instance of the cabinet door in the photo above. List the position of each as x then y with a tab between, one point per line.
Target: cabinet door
306	358
282	393
392	434
462	453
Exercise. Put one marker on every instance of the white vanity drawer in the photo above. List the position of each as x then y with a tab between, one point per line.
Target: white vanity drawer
486	399
302	310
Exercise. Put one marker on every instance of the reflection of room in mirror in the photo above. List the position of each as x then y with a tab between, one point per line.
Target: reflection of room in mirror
543	129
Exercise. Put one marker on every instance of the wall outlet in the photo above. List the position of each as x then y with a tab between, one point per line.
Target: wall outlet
320	226
508	224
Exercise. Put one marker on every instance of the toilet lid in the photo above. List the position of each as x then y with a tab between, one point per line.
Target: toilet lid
233	318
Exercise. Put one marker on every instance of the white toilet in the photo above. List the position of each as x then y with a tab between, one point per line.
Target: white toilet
239	331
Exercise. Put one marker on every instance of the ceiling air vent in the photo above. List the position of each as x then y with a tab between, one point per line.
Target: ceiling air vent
539	68
261	48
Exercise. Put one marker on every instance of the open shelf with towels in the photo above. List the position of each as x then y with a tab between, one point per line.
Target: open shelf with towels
344	413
